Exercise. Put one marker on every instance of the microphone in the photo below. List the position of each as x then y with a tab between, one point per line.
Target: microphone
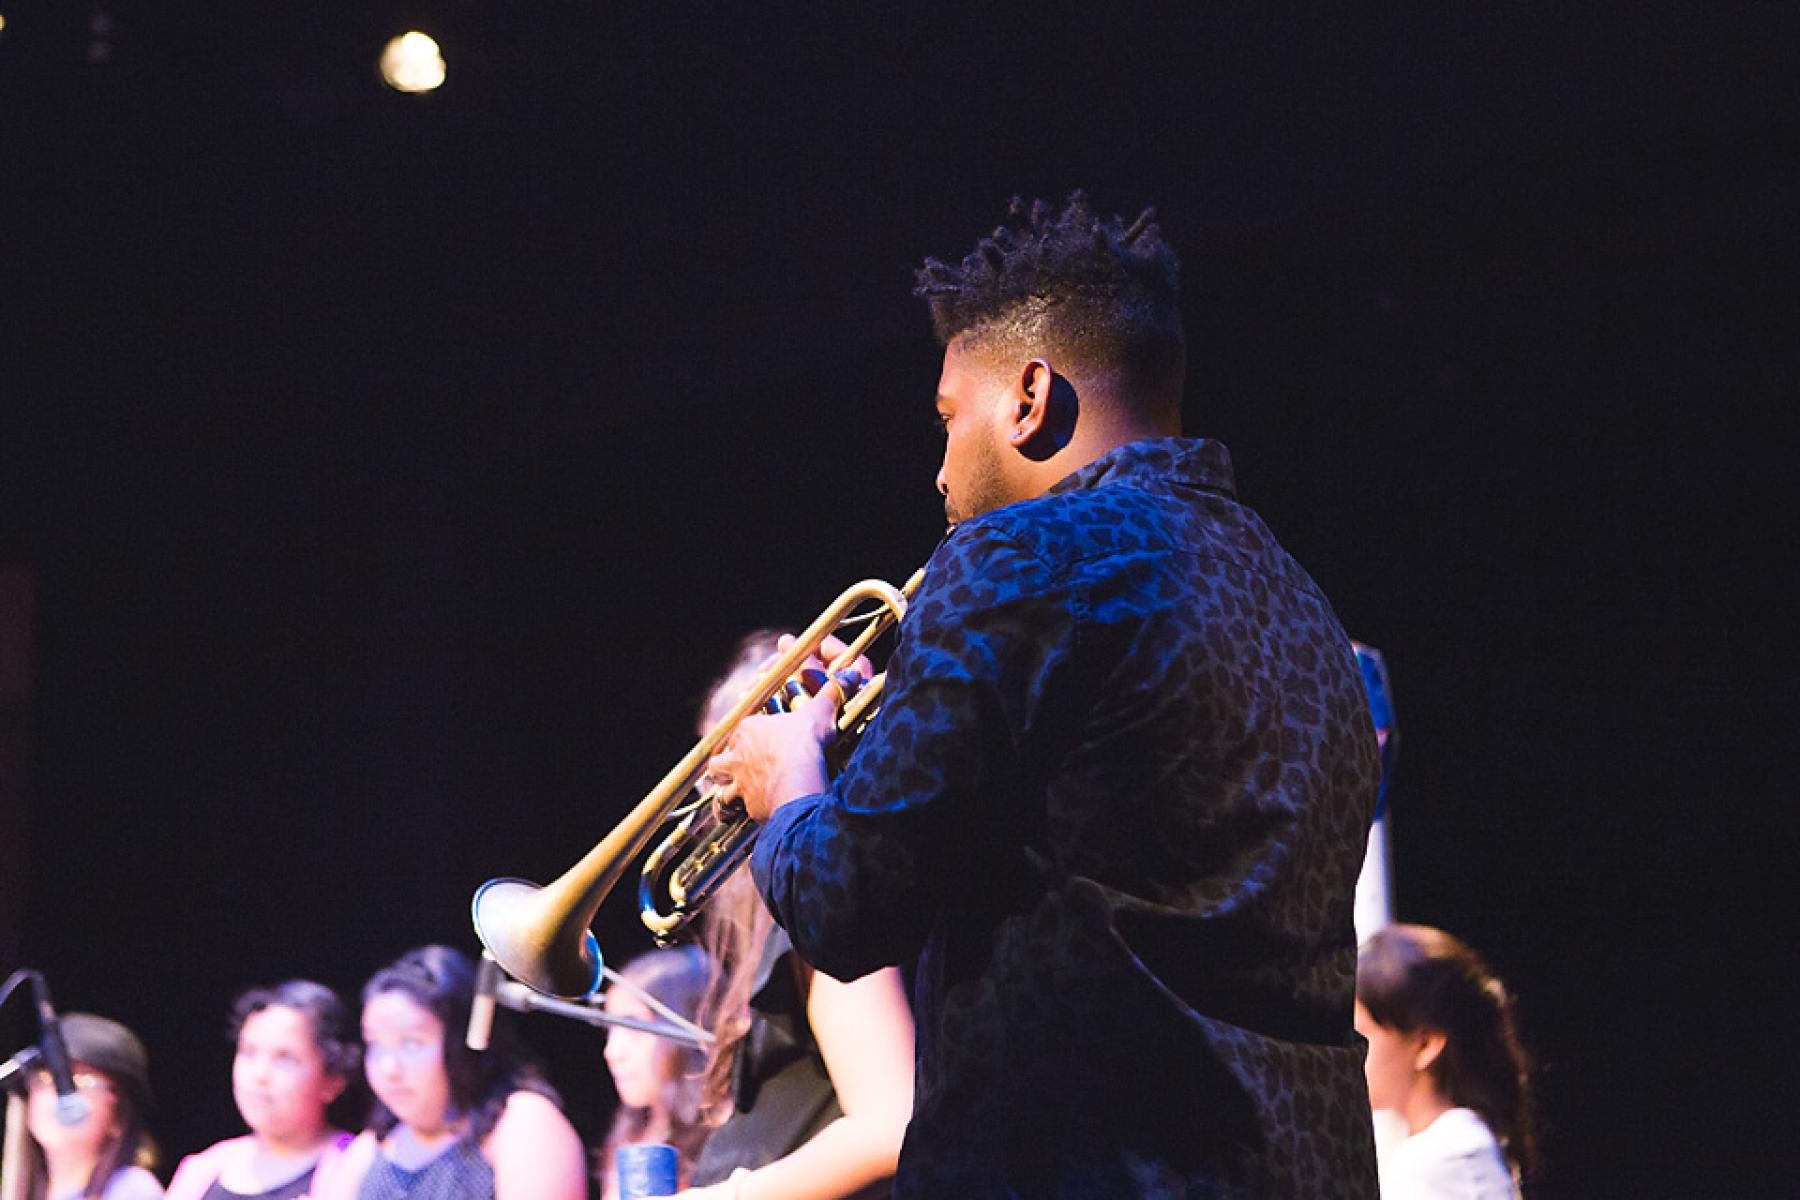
481	1009
516	996
71	1105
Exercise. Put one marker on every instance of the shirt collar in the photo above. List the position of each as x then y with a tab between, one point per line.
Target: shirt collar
1200	462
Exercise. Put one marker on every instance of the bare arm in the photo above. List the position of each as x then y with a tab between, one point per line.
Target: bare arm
535	1152
865	1033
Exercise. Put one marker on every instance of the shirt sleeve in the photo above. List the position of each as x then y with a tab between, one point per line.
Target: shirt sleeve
858	875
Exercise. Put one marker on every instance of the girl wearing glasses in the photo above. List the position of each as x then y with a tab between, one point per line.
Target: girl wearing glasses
107	1155
450	1123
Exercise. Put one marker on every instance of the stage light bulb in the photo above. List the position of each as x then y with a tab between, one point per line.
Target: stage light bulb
412	62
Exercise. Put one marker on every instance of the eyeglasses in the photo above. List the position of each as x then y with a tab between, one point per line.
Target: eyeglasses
410	1051
86	1081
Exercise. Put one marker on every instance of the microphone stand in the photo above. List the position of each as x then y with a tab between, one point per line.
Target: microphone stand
495	988
13	1180
1373	905
27	1058
12	1157
18	1064
523	999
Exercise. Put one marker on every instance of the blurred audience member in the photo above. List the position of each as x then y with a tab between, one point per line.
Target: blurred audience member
295	1056
658	1080
108	1154
1445	1056
812	1077
450	1123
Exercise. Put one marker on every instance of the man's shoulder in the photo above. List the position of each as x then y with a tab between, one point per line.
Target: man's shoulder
1074	526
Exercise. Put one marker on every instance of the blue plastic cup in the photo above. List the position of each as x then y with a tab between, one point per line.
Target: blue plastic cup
646	1169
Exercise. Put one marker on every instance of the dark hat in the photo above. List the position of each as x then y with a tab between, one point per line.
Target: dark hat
109	1047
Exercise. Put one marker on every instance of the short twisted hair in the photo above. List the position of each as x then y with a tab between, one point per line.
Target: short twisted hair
1094	293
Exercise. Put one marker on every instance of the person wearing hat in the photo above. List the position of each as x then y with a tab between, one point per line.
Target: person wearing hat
107	1155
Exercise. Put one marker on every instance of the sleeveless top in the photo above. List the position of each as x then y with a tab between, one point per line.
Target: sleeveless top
459	1173
198	1175
291	1190
781	1093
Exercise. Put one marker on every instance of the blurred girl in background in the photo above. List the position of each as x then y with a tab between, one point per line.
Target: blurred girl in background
450	1123
108	1154
1445	1055
295	1057
812	1078
658	1080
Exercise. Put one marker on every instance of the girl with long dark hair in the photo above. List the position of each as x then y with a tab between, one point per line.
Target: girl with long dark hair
450	1123
1446	1057
810	1079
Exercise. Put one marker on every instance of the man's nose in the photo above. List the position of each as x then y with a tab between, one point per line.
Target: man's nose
943	488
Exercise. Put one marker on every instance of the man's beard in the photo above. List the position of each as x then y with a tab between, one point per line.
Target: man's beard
985	490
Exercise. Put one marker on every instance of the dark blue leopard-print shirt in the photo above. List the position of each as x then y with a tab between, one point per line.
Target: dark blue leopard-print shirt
1115	803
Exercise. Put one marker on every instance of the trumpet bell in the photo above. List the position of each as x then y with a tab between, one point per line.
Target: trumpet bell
511	918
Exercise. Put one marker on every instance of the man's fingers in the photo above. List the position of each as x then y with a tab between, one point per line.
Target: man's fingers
812	678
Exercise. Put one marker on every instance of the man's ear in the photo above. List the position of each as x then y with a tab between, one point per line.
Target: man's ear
1044	409
1031	401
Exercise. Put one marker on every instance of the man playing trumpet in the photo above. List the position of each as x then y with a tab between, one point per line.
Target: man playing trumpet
1118	792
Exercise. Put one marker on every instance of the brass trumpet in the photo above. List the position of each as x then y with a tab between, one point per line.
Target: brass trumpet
541	936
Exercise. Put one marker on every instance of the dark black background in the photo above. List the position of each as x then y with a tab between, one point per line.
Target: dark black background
396	470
